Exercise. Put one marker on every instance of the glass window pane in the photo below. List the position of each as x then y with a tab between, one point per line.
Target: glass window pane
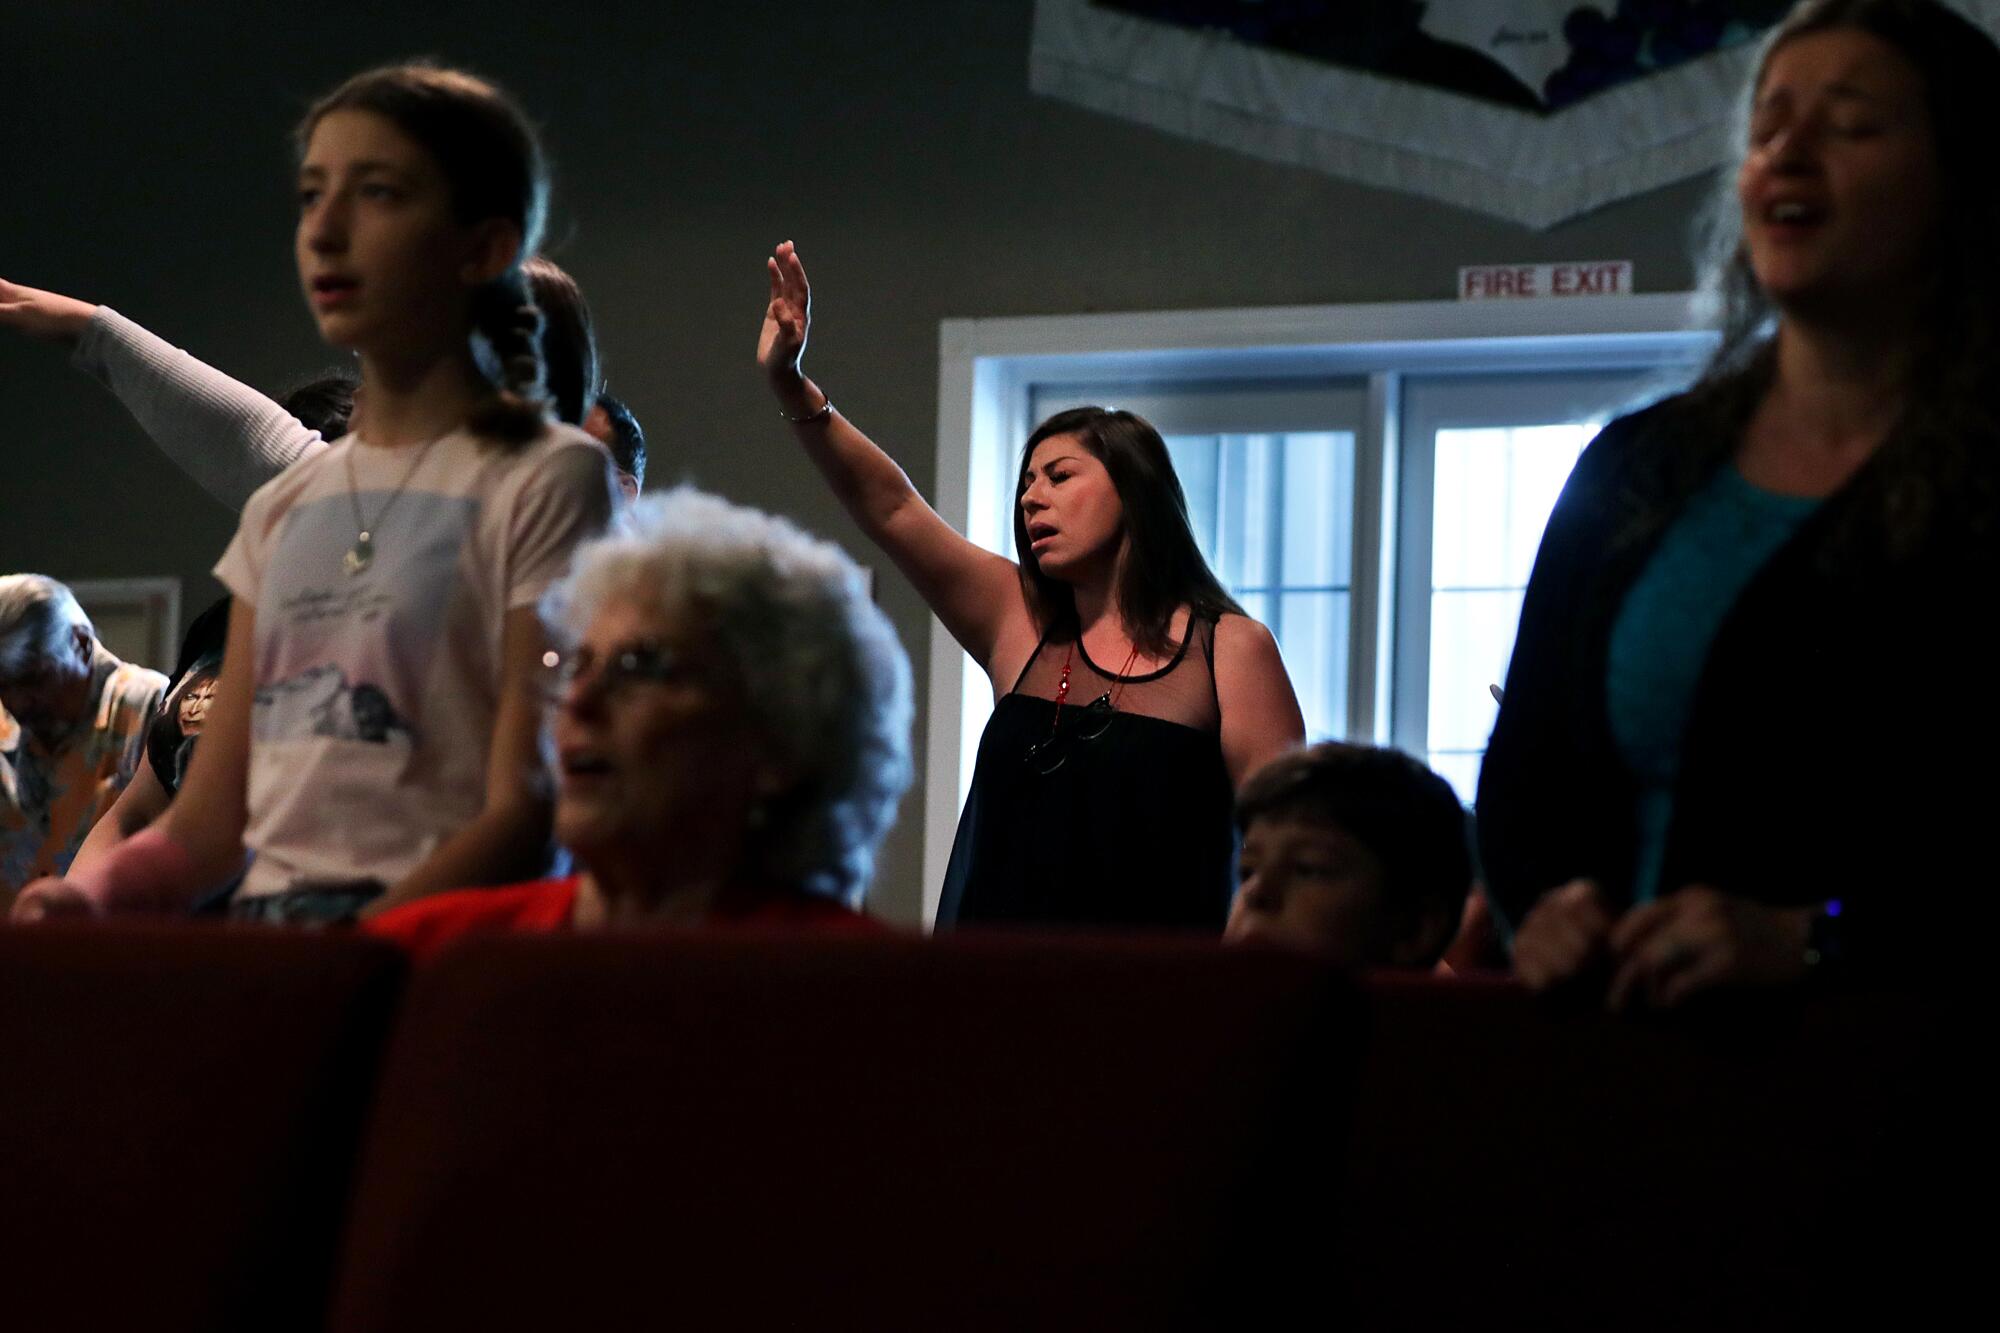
1493	490
1195	459
1539	461
1312	637
1466	525
1460	768
1274	514
1247	520
1226	557
1479	626
1318	504
1256	605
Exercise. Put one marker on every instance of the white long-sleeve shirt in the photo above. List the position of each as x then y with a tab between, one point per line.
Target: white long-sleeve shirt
227	436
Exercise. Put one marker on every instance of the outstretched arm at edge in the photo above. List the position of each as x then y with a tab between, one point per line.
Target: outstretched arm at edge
227	436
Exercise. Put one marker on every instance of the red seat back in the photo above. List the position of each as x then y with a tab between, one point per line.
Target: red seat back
882	1133
1742	1165
180	1112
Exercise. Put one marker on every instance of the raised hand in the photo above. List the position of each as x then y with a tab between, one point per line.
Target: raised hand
787	319
45	315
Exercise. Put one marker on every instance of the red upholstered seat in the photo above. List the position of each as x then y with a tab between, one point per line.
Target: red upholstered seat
875	1133
180	1110
1762	1162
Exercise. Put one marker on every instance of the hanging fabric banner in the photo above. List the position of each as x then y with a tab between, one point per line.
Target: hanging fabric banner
1530	110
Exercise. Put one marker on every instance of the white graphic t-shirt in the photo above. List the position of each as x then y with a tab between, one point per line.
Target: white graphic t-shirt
377	689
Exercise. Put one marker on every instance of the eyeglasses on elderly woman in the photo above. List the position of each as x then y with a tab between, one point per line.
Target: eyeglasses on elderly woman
640	662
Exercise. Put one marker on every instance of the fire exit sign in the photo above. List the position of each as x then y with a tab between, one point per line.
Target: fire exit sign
1535	282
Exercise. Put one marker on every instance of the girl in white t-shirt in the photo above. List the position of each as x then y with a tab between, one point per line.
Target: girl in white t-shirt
375	732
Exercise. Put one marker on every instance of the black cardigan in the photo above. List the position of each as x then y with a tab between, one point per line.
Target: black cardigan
1844	738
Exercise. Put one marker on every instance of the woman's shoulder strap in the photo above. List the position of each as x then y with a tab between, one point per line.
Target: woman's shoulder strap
1207	627
1029	665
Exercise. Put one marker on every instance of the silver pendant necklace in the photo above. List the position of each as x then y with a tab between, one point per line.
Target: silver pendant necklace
362	554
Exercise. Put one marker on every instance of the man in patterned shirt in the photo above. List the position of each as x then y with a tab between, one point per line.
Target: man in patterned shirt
72	727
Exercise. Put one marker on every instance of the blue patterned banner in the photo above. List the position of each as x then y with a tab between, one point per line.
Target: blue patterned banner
1533	54
1530	110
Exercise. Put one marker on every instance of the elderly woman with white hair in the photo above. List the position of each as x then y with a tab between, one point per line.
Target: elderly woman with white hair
731	733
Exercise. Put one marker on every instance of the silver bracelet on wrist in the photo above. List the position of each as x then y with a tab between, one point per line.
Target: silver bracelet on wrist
825	409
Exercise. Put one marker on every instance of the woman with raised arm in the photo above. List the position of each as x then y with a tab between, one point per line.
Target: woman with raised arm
1132	694
375	733
1744	724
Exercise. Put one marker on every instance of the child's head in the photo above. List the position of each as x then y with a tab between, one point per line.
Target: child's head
612	424
1354	851
324	403
422	193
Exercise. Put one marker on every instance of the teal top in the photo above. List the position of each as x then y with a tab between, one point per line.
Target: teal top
1661	637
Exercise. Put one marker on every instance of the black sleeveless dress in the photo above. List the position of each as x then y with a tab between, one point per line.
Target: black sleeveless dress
1104	817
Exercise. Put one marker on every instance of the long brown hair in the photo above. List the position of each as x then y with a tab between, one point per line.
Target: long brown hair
1164	570
494	165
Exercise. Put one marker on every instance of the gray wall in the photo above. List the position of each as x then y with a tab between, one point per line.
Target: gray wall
144	162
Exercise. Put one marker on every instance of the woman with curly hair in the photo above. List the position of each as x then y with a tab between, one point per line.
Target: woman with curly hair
732	734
